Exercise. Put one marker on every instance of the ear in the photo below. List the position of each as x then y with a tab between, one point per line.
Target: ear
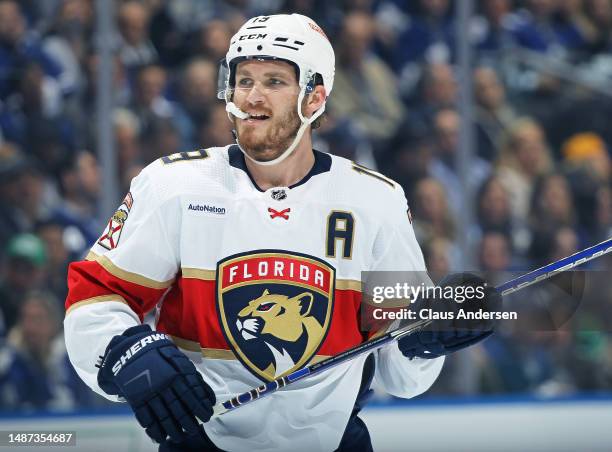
314	100
265	292
305	306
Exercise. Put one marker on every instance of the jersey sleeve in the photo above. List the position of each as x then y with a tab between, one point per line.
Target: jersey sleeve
399	251
127	271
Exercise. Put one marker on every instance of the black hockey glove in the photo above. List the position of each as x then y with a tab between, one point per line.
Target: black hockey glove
162	386
448	335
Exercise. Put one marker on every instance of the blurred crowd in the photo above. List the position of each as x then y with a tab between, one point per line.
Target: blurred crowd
540	173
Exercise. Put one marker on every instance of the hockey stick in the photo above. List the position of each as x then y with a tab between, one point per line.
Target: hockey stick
547	271
509	287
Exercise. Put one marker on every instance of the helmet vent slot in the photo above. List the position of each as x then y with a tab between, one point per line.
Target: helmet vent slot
288	47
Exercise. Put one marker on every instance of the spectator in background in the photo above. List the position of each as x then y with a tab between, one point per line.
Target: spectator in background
524	155
58	257
215	129
35	120
428	38
588	153
127	142
586	162
212	40
408	155
437	254
573	14
564	243
66	42
444	165
121	89
136	48
36	373
365	89
437	90
23	270
19	47
13	166
431	215
160	137
493	113
150	105
493	30
603	213
495	256
493	207
599	12
551	209
540	29
26	197
169	35
80	188
198	95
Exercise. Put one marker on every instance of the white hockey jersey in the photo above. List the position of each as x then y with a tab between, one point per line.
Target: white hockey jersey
251	285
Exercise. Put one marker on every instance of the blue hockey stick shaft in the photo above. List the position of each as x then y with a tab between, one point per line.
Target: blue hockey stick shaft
509	287
347	355
547	271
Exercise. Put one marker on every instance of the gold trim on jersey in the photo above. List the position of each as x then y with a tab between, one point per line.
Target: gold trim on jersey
348	284
125	275
199	154
368	172
98	299
219	353
199	273
186	344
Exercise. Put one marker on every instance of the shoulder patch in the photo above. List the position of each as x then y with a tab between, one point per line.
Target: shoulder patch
368	172
200	154
112	233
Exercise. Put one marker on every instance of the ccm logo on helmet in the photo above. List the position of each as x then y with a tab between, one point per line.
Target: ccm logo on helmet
135	348
252	36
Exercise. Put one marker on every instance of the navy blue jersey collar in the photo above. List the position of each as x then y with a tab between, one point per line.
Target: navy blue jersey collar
322	164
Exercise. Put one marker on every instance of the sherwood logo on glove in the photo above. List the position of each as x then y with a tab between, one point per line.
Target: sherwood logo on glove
130	352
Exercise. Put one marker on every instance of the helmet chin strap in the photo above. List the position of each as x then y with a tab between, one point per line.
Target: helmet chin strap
231	108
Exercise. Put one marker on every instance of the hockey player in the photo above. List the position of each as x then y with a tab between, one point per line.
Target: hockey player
251	256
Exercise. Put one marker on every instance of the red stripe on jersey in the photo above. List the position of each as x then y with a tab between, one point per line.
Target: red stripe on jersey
88	279
344	329
189	311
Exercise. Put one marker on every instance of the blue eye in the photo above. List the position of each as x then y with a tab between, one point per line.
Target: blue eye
265	307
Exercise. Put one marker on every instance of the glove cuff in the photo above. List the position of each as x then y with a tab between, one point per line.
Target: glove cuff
124	348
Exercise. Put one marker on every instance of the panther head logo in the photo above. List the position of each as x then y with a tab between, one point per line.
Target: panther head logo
280	321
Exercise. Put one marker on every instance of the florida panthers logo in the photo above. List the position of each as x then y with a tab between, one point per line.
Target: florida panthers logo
275	309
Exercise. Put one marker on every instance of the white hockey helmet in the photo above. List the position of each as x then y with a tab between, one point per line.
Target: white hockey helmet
293	38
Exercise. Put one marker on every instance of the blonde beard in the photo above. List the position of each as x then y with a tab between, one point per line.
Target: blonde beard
276	140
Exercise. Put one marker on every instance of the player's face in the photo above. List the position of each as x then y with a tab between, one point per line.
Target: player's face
268	91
